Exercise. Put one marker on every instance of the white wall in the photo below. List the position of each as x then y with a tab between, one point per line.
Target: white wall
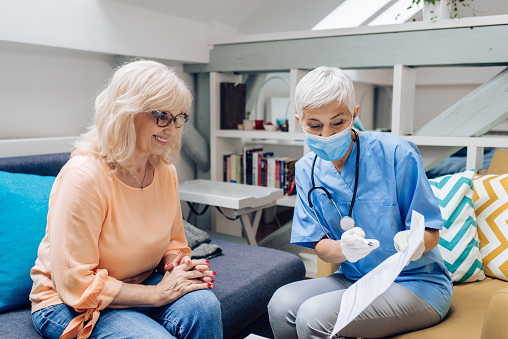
430	101
49	92
439	88
104	26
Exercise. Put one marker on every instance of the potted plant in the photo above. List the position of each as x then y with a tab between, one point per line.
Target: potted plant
248	124
434	10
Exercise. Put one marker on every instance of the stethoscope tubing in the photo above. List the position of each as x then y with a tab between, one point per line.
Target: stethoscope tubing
314	187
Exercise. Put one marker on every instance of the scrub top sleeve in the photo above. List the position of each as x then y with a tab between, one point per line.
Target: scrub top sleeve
305	229
414	192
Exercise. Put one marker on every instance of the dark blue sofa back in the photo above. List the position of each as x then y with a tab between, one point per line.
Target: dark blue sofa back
45	164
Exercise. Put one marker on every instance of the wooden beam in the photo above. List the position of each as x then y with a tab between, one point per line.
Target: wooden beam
403	103
485	45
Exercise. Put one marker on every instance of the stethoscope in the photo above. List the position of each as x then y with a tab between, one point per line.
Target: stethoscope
346	222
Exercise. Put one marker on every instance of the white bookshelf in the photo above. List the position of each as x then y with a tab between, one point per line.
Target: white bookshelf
290	143
232	141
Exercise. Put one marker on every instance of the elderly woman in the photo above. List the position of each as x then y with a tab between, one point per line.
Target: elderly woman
114	261
356	194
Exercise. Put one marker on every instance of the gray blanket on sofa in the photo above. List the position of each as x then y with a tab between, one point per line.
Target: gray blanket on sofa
199	242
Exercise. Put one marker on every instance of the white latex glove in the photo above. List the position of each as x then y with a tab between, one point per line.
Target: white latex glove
355	246
401	243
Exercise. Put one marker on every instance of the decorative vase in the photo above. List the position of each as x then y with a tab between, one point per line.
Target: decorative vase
248	125
438	11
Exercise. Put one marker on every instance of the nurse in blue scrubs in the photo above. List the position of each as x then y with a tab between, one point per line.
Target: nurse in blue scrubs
372	181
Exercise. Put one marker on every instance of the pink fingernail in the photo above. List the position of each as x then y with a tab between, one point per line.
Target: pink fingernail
213	272
207	261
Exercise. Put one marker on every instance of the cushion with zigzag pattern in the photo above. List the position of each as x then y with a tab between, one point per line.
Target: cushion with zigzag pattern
491	208
458	240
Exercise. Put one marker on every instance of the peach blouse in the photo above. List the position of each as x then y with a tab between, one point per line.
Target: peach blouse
101	233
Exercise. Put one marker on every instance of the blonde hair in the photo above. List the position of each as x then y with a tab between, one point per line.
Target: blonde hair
322	86
135	87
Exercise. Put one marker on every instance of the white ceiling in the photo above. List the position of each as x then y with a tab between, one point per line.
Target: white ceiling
248	16
269	16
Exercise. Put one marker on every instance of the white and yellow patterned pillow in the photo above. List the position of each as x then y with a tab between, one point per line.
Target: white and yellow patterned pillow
458	243
491	207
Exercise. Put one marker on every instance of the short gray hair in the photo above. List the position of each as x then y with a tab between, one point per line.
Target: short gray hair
322	86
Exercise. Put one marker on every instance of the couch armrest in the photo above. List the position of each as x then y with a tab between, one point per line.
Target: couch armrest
325	269
495	324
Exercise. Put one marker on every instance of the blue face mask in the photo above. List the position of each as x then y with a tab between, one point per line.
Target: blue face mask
330	148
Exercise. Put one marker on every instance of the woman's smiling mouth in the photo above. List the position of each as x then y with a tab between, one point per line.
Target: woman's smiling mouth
161	140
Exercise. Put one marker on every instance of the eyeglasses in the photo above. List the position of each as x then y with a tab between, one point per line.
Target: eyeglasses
164	119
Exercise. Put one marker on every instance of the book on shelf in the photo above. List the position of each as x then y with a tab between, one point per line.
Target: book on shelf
247	158
289	176
255	166
232	104
232	170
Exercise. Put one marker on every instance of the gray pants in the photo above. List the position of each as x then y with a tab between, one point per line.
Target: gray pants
308	309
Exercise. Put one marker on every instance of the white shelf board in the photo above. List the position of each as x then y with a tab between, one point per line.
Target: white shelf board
501	142
259	134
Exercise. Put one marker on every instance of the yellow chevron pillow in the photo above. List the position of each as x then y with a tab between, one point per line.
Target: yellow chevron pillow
490	200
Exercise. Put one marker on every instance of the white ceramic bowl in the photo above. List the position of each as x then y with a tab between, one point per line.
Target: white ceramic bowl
270	127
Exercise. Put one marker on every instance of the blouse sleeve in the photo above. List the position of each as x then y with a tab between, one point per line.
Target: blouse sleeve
178	241
77	212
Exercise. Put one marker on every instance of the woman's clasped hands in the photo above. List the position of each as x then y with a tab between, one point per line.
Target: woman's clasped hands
183	275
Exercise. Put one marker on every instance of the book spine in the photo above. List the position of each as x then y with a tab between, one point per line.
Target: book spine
259	180
255	169
263	172
225	167
233	168
286	179
239	169
277	174
228	169
271	172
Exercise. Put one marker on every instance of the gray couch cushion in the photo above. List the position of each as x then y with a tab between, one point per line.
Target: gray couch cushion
17	324
247	276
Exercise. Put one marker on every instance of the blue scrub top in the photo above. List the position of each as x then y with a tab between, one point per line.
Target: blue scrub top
391	184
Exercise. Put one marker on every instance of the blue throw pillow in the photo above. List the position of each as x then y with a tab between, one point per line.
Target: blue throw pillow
23	211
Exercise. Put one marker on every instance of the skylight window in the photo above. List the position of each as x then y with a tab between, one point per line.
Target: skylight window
397	13
350	13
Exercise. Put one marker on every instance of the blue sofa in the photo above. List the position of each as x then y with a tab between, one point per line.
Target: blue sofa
246	277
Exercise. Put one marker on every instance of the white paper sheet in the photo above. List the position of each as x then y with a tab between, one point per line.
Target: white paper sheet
364	291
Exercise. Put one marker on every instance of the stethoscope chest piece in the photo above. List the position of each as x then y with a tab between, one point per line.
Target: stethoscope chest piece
347	223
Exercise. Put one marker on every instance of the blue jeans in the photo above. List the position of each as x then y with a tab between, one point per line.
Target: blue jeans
194	315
